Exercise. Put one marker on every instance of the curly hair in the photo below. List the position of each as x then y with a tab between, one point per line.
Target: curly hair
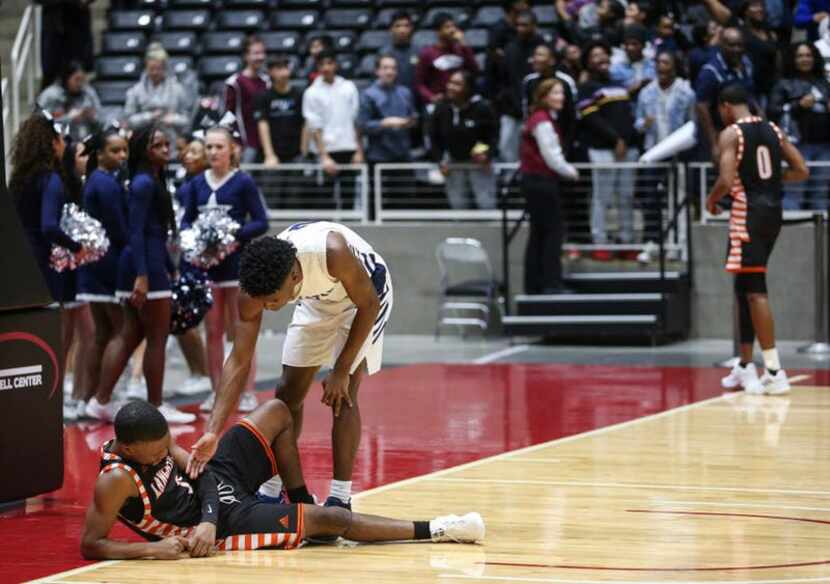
32	153
265	264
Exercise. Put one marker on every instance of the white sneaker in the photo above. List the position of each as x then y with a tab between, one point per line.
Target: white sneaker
137	389
174	416
80	409
468	528
743	377
248	402
104	412
207	405
777	384
70	412
193	385
733	380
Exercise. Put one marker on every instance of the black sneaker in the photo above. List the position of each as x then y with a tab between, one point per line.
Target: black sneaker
335	502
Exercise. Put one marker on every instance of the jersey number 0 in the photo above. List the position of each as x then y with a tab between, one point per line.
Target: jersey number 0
764	160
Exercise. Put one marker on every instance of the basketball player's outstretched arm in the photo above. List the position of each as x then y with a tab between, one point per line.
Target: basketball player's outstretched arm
728	169
112	489
234	374
797	170
344	266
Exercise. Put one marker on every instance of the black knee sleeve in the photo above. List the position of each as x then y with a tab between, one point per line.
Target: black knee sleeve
752	283
746	332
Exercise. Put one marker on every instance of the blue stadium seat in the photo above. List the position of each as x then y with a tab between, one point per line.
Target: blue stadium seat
180	64
132	20
384	17
219	67
226	41
118	67
487	16
177	42
348	18
259	4
344	40
546	15
123	43
346	64
424	38
295	19
112	92
249	20
295	4
366	68
186	20
281	42
190	4
461	16
398	4
362	84
476	38
372	41
352	3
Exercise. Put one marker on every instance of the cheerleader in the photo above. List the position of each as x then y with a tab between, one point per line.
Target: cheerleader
143	278
105	200
37	186
224	184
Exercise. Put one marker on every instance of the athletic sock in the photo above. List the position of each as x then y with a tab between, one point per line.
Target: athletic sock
272	487
771	361
744	364
422	530
341	490
300	495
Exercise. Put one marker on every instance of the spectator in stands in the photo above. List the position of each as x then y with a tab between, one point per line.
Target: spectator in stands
505	30
241	91
507	73
634	14
571	58
542	164
707	38
668	37
823	45
729	65
544	68
800	103
158	96
809	15
634	71
402	49
66	35
601	20
279	115
386	114
778	19
440	61
608	131
761	47
316	45
73	100
465	131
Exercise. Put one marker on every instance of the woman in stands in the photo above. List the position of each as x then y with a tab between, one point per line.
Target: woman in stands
542	164
143	277
224	184
37	186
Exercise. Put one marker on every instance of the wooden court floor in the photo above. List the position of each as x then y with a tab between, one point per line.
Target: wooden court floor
730	489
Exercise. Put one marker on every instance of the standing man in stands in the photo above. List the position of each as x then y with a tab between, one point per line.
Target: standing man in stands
241	91
437	63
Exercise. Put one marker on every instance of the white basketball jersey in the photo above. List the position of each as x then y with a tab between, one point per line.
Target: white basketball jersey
318	285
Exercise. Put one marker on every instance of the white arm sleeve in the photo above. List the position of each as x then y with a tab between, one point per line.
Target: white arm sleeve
551	151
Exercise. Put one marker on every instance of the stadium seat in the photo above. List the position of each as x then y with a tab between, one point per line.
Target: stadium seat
249	20
300	84
219	67
180	64
186	20
397	4
285	42
123	43
349	3
346	64
132	20
476	38
372	40
349	18
546	15
384	17
226	41
190	4
295	19
460	15
112	92
487	16
308	4
118	67
363	84
366	68
424	38
260	4
481	59
344	40
177	42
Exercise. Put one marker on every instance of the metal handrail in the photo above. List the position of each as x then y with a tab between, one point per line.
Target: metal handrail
4	91
24	62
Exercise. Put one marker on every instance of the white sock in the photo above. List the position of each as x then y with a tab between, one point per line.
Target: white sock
341	490
771	361
272	487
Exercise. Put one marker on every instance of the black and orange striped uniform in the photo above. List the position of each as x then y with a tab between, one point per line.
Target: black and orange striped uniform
756	214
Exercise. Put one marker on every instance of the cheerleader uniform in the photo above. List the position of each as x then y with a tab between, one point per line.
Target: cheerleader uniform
146	250
105	200
238	190
40	207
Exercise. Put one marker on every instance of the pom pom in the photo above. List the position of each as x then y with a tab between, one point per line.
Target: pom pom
85	230
192	299
211	239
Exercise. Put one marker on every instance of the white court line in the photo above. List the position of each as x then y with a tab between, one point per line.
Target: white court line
798	378
490	357
74	572
629	486
754	505
561	581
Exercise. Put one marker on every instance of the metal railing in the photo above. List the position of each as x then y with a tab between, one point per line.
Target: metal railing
7	129
25	63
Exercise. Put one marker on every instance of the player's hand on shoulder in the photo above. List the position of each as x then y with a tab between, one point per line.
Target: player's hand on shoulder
202	541
201	453
170	548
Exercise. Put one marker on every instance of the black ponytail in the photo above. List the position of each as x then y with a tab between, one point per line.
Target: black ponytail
138	161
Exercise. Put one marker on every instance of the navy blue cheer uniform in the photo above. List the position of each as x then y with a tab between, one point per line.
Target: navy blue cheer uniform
146	250
239	191
106	201
40	206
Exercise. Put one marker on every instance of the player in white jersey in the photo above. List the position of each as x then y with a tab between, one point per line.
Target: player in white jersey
344	299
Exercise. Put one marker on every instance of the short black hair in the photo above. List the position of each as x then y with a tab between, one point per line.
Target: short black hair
734	94
636	32
590	46
139	421
265	264
326	54
280	61
508	5
529	15
442	18
400	15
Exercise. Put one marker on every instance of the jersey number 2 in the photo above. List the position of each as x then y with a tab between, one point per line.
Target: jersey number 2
764	162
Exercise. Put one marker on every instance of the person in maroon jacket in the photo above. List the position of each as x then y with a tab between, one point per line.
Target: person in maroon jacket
241	91
542	163
437	63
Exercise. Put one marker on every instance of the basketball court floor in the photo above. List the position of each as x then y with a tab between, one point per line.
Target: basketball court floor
588	464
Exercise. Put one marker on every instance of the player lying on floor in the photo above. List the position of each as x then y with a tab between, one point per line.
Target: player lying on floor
142	483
